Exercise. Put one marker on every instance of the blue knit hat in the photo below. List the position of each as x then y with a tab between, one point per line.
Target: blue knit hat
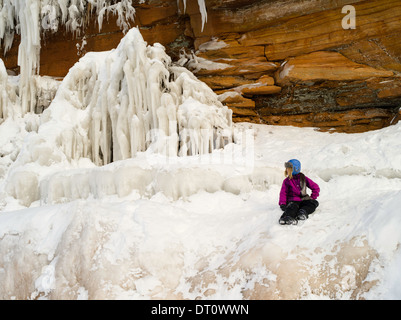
295	165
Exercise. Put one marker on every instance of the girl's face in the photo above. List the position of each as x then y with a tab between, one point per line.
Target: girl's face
289	171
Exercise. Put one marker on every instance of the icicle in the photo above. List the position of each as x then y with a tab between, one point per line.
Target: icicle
3	91
28	53
202	9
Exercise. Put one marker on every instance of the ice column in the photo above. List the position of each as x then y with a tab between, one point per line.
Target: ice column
3	91
28	51
8	95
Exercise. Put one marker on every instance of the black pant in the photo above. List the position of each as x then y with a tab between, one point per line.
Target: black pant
292	209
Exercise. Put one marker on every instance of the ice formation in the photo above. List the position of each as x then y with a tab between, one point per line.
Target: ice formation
4	98
133	97
202	9
10	102
29	18
114	104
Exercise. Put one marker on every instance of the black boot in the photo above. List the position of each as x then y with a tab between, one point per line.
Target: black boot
302	215
287	220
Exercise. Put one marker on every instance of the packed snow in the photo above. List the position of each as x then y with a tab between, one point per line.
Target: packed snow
134	184
204	226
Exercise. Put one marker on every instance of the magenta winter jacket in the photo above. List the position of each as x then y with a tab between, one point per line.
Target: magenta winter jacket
291	189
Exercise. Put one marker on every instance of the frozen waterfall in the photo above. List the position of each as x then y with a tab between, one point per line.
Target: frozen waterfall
32	18
114	104
117	103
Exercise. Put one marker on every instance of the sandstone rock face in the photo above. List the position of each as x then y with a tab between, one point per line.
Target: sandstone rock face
327	90
283	62
326	65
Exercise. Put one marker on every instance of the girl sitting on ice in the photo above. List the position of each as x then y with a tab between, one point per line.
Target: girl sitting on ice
294	201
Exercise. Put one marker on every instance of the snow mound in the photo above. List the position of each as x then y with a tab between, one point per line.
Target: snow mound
122	179
204	226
